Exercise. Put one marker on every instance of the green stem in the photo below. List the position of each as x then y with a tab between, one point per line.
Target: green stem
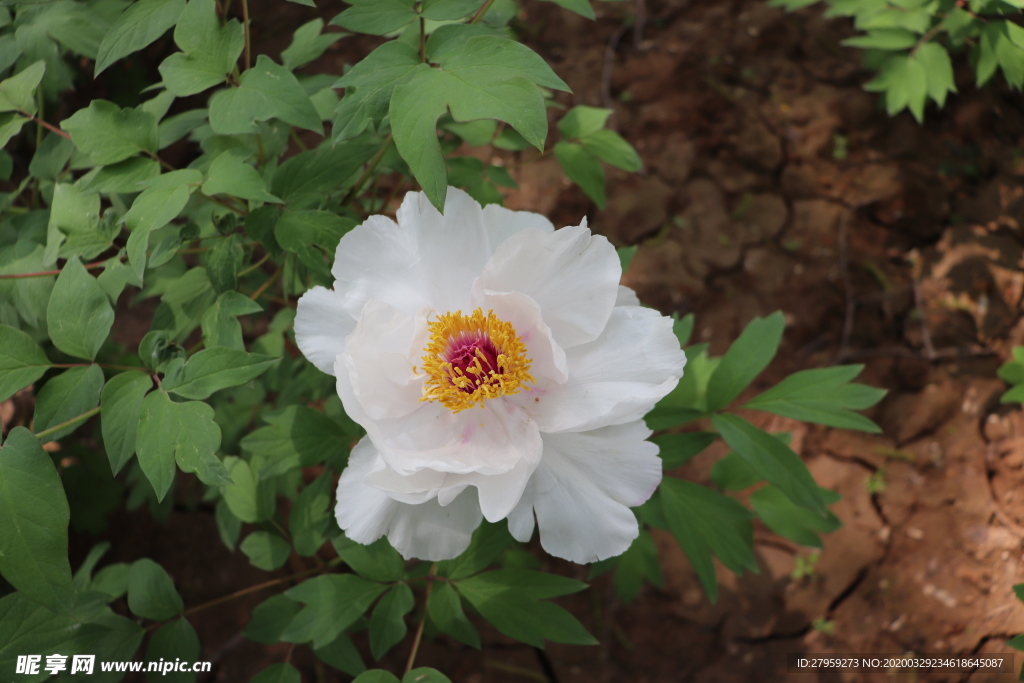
43	435
245	24
266	285
481	12
374	162
254	266
423	622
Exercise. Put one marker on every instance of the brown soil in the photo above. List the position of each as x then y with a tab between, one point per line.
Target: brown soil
772	181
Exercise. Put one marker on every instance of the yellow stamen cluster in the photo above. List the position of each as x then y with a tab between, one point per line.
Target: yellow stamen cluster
473	358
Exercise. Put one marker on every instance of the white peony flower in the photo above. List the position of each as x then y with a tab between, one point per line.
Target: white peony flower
499	371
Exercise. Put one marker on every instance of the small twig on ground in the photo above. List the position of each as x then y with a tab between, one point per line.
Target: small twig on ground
926	335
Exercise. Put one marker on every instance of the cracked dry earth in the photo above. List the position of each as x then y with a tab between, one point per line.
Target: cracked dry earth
772	181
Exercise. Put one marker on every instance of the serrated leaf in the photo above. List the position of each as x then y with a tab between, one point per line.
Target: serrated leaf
120	406
151	593
34	537
265	91
706	523
938	69
22	362
79	315
109	134
771	459
18	93
65	397
332	602
185	433
745	359
387	623
141	24
214	369
822	396
883	39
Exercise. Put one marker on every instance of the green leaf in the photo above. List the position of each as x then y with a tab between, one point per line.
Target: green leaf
298	230
266	550
298	435
185	433
51	157
224	262
282	672
174	641
26	626
745	359
706	522
581	7
445	609
229	527
905	83
10	125
771	459
34	536
151	210
123	177
732	473
332	602
370	84
450	10
18	93
376	17
266	91
488	542
140	25
22	362
938	70
341	653
120	406
209	50
635	566
582	120
822	396
795	523
376	676
611	148
75	221
308	44
377	561
583	168
270	617
512	600
471	92
79	315
308	176
425	674
246	497
230	175
108	134
65	397
214	369
220	324
883	39
676	449
309	517
387	624
151	593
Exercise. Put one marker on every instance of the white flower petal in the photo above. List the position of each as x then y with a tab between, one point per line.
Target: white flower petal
502	223
626	297
321	326
379	365
523	313
427	531
616	378
571	274
583	489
